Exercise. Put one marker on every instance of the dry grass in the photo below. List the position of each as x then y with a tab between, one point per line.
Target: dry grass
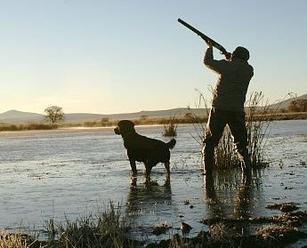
18	240
11	240
225	154
258	119
170	128
257	126
107	229
275	231
21	127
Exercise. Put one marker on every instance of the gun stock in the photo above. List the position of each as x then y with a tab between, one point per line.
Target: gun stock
206	38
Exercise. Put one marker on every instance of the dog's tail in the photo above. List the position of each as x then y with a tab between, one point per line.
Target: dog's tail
171	144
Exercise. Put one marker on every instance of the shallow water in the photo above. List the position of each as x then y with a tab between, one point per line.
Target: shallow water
69	173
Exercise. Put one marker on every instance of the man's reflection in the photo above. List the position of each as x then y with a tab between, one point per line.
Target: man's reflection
229	197
216	208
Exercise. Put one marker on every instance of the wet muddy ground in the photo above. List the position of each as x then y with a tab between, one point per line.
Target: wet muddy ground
66	174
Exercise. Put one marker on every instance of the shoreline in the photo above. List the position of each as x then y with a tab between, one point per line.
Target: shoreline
8	128
147	124
73	129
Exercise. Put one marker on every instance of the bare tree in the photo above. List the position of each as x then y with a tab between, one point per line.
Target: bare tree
54	114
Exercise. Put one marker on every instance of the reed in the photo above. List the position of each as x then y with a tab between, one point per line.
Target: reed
197	121
257	126
258	121
18	240
259	116
11	240
170	128
107	229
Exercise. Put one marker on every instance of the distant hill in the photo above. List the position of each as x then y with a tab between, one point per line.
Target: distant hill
15	116
82	117
177	112
285	104
18	117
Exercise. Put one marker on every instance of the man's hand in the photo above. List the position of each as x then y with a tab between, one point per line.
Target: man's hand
209	43
228	56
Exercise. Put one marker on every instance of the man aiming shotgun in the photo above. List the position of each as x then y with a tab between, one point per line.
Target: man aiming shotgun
206	38
228	101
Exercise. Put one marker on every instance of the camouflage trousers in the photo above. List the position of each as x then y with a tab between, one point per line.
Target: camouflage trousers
217	121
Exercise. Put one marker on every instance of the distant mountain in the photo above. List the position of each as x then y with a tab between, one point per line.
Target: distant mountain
15	116
285	104
18	117
82	117
177	112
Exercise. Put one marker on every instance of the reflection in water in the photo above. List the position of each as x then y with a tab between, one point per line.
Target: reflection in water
230	195
148	197
61	175
244	198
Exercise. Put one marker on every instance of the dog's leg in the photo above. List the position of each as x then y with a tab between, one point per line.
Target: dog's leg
167	180
148	170
168	177
133	182
133	167
166	164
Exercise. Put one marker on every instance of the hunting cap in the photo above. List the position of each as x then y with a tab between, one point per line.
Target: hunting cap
241	53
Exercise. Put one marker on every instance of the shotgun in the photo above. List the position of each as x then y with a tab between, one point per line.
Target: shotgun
206	38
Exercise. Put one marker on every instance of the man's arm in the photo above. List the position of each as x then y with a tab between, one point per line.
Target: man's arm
215	65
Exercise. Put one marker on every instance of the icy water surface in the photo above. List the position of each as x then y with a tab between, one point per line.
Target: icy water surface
69	173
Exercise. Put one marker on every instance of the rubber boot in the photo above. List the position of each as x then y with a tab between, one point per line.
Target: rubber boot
208	158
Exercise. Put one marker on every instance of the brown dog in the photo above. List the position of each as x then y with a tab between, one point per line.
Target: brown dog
143	149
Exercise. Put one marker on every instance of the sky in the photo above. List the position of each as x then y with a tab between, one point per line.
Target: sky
126	56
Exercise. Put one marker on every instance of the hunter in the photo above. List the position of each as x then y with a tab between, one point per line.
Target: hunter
228	105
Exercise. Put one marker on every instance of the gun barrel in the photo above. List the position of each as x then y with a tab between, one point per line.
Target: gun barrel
187	25
203	36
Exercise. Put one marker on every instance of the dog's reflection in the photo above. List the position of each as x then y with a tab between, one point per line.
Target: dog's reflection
143	197
148	182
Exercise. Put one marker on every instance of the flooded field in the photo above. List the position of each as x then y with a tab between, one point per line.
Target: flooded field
69	173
